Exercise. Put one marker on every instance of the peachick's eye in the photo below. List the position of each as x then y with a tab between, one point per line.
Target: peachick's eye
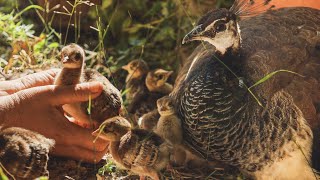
160	76
78	56
221	27
133	65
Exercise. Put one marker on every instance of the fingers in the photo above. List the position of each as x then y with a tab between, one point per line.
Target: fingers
37	79
59	95
82	137
74	141
71	94
78	143
79	153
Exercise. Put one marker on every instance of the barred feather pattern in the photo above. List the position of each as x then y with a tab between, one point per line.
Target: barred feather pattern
287	39
24	153
223	122
140	148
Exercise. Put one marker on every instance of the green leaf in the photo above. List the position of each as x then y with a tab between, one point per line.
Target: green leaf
42	178
109	168
3	175
268	76
53	45
125	92
106	4
164	34
134	41
39	46
164	10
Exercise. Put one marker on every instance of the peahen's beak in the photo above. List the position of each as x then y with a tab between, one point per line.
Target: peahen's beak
194	33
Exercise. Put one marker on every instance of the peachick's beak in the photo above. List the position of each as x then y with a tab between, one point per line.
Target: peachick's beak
169	73
192	34
65	59
126	67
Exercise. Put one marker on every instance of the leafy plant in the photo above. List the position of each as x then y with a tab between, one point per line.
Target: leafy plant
25	46
109	168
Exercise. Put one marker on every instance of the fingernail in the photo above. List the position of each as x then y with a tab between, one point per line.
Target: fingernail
95	87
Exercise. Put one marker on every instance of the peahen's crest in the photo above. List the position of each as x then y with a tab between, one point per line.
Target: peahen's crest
247	8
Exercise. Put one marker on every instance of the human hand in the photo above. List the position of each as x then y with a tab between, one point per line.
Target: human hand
33	103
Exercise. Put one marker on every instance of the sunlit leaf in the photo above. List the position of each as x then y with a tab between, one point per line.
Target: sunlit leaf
106	4
3	175
42	178
123	93
53	45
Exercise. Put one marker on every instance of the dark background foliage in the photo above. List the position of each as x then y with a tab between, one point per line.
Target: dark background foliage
117	31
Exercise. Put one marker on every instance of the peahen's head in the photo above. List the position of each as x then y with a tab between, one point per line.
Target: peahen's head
220	27
113	129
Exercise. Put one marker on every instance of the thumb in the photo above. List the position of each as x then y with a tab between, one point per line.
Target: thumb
77	93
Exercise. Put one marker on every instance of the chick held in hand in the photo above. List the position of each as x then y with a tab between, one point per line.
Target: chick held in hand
106	105
138	150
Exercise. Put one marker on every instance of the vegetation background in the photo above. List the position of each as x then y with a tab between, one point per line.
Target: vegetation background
113	33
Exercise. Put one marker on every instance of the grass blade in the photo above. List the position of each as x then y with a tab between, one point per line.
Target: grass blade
100	131
268	76
89	104
27	9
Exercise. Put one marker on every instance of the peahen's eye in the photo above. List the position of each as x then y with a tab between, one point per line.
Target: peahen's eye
221	27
